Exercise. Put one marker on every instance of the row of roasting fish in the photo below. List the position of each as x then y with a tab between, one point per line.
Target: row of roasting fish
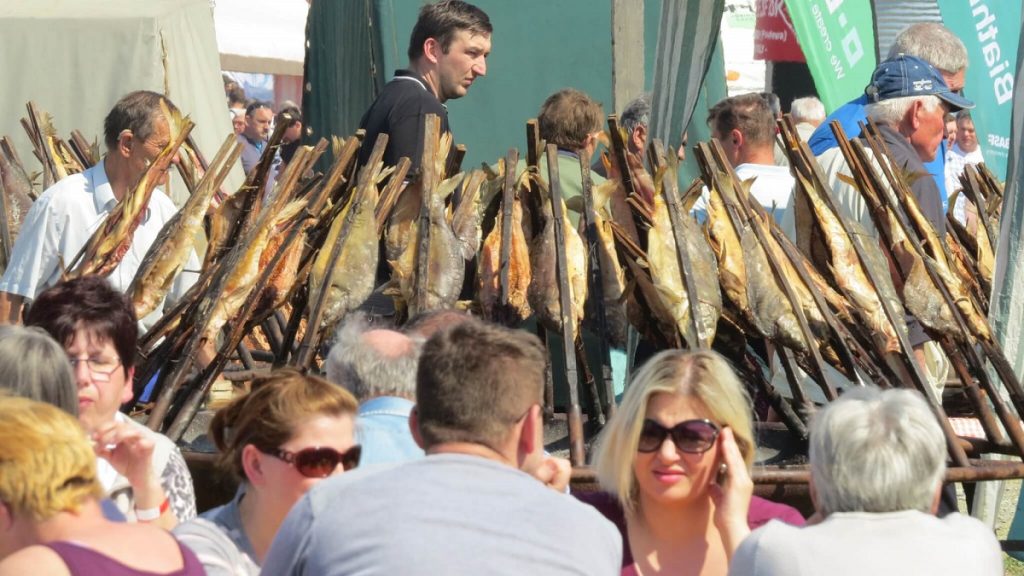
485	238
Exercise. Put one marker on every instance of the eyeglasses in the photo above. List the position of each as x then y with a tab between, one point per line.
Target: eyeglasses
318	461
99	368
690	436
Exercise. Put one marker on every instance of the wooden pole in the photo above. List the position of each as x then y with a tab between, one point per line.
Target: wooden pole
576	452
596	289
627	51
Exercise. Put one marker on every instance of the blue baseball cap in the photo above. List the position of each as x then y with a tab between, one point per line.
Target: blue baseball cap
904	75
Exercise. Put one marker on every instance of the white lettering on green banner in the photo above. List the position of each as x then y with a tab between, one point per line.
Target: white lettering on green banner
837	38
990	31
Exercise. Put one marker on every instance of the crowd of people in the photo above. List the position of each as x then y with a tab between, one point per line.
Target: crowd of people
421	450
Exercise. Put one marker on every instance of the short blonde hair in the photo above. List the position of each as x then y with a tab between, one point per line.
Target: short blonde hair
46	463
701	374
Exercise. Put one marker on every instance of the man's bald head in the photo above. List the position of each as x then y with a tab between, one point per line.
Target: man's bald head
388	343
374	362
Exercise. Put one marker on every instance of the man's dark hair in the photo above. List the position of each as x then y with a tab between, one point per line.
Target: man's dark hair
257	105
442	20
291	111
567	117
475	381
748	113
88	303
136	112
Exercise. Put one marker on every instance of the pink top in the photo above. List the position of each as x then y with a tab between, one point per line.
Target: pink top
760	512
84	561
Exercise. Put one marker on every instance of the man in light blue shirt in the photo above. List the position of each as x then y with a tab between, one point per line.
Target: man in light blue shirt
929	41
379	368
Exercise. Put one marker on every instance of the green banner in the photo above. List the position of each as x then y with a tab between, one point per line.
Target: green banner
989	31
838	39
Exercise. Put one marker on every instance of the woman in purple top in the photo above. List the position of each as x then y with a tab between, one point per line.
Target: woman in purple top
675	464
50	517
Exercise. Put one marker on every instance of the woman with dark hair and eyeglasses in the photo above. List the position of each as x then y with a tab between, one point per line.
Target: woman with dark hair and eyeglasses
675	462
278	441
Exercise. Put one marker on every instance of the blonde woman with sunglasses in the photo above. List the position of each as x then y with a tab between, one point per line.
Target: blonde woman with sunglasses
278	441
675	462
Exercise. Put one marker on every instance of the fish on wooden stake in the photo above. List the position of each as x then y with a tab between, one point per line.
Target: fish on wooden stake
169	252
519	275
663	258
243	277
543	292
17	190
104	250
355	271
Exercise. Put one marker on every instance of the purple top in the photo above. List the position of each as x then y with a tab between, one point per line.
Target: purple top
760	512
84	561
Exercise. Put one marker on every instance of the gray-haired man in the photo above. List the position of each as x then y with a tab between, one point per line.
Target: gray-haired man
877	462
379	368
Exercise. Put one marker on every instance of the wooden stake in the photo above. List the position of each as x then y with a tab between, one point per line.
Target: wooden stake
576	452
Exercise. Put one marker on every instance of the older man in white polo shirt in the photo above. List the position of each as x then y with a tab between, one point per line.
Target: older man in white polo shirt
66	214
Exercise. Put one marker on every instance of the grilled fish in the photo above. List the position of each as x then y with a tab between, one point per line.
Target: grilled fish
613	277
850	275
543	293
489	270
242	278
169	252
355	271
668	278
17	190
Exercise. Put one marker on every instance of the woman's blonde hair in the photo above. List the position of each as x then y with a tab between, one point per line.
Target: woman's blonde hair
46	464
703	375
268	416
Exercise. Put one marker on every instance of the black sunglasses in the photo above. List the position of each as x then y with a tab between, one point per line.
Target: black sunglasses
320	462
690	436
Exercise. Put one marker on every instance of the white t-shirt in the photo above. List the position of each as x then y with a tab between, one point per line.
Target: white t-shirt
63	219
772	188
956	160
860	543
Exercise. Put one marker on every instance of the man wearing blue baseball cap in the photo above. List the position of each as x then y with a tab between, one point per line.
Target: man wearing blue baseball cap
933	43
908	99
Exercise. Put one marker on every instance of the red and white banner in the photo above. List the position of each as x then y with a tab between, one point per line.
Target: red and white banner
774	38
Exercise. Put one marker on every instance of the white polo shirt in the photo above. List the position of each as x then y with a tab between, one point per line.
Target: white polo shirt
63	219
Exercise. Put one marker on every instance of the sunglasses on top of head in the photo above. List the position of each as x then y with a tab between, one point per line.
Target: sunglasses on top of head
691	436
320	462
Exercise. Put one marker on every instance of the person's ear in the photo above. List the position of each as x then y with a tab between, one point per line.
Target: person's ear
736	137
414	427
432	50
916	110
252	465
937	498
125	141
639	137
126	394
531	432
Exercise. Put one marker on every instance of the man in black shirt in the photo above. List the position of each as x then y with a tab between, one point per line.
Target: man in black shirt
447	51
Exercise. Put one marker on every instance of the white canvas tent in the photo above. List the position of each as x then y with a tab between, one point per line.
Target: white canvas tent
262	36
75	59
